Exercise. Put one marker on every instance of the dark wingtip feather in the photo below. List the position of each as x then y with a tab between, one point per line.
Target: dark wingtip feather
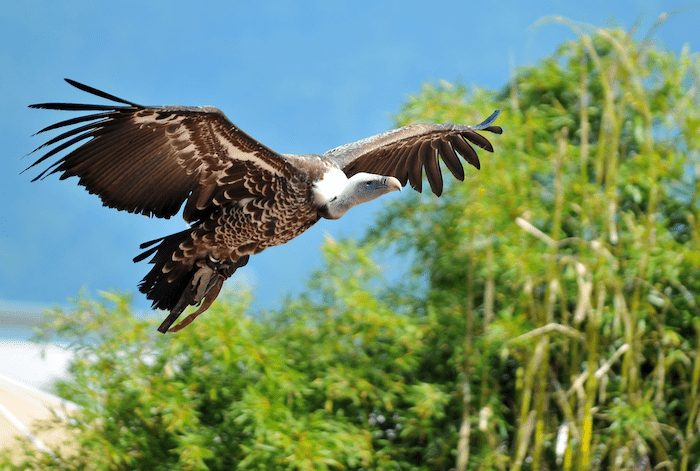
479	140
432	170
451	160
466	151
71	132
79	119
74	107
99	93
494	129
58	149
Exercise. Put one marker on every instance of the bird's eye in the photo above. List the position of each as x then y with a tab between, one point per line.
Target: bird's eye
368	183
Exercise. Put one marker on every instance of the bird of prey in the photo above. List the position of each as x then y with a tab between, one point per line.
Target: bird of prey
239	196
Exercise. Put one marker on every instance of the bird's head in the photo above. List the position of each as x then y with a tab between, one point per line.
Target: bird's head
359	188
368	186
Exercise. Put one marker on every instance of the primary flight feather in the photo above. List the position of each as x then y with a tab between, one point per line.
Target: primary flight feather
239	196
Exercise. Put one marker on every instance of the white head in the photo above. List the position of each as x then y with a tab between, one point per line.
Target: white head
359	188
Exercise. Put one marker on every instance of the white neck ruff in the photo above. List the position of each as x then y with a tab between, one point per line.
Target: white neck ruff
330	186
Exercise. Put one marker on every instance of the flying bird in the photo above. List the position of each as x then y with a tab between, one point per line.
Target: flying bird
240	197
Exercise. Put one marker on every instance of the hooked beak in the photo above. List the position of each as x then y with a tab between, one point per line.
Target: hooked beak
392	183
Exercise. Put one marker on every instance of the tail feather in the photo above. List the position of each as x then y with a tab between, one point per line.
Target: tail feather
176	282
155	285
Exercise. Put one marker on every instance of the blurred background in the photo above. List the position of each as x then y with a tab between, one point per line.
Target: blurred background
574	247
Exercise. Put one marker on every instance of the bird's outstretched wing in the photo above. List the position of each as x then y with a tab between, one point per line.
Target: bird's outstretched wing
150	159
404	153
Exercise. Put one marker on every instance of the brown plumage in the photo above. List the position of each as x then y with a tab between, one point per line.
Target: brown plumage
239	196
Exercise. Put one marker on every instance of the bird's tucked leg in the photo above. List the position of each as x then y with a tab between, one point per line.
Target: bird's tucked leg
202	281
203	287
210	295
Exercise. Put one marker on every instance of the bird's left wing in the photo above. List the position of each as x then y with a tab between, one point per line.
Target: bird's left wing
151	159
403	153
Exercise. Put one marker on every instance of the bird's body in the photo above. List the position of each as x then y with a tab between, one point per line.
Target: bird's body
239	196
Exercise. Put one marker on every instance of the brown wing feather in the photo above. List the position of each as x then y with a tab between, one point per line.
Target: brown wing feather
404	153
150	160
451	160
432	169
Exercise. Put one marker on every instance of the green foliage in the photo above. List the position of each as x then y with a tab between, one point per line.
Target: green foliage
564	277
322	385
551	321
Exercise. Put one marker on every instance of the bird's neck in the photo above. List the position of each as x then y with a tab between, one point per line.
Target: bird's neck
339	205
335	194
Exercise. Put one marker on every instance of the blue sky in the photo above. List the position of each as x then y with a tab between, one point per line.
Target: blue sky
299	76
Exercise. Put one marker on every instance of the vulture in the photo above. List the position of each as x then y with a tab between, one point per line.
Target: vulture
240	197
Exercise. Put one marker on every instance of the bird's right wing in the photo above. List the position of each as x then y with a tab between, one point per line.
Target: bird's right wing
150	160
403	153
